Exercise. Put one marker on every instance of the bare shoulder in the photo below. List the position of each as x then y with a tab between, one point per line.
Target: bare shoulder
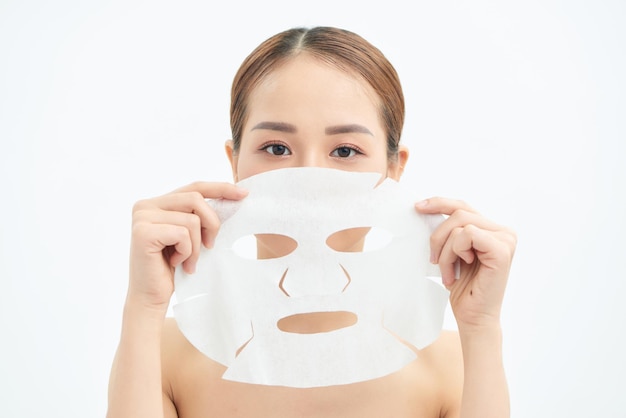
172	339
429	386
176	352
182	365
448	356
445	356
171	347
446	345
175	347
172	343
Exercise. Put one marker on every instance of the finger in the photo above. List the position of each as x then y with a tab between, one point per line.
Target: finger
152	223
182	251
462	244
192	223
471	243
493	249
194	203
443	205
215	190
448	259
458	219
163	236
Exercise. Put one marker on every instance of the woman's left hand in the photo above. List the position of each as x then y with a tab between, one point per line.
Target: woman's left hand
484	251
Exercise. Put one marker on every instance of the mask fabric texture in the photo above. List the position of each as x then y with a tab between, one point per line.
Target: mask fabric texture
230	308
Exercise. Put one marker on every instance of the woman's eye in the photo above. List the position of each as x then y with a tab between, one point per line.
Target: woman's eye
276	149
344	152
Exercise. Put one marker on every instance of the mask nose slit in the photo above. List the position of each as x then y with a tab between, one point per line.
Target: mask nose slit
347	276
240	349
282	280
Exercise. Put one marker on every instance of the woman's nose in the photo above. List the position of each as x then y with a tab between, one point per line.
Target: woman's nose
311	159
315	279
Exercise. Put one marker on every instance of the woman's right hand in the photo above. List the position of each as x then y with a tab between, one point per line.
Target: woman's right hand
167	231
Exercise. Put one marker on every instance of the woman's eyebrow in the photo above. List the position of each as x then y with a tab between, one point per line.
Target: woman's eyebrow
347	129
276	126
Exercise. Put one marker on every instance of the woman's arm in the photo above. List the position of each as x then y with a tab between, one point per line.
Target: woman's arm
167	231
135	385
485	389
484	250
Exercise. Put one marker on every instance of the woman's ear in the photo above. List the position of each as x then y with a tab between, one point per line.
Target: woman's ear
232	157
396	168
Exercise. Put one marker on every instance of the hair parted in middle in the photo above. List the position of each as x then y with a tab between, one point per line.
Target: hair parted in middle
340	48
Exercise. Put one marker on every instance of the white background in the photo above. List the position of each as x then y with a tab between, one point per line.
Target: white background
518	108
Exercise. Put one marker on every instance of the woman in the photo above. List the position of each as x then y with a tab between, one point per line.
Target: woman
311	97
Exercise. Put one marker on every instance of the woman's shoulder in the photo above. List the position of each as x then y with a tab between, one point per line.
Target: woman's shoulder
174	345
448	341
172	339
182	364
445	354
176	350
445	358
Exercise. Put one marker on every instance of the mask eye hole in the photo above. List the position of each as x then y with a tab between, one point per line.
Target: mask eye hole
360	239
269	245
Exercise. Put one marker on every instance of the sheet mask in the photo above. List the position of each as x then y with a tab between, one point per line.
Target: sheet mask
231	307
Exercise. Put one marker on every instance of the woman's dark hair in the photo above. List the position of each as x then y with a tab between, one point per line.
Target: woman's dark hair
338	47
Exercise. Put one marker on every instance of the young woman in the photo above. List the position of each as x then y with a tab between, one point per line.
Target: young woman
320	97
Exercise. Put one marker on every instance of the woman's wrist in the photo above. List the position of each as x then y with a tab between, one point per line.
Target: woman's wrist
482	346
485	337
486	330
143	316
139	304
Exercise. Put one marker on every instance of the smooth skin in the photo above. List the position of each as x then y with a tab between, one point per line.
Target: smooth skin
331	120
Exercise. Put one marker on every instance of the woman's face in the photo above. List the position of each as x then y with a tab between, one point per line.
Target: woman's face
308	113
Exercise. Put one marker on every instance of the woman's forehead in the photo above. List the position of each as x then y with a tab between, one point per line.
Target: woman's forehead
308	86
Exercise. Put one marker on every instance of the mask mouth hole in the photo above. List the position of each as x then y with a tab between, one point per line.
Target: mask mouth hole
317	322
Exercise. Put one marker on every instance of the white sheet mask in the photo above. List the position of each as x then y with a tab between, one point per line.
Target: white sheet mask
231	307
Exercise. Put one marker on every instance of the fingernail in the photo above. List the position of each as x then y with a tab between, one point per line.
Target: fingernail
421	204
